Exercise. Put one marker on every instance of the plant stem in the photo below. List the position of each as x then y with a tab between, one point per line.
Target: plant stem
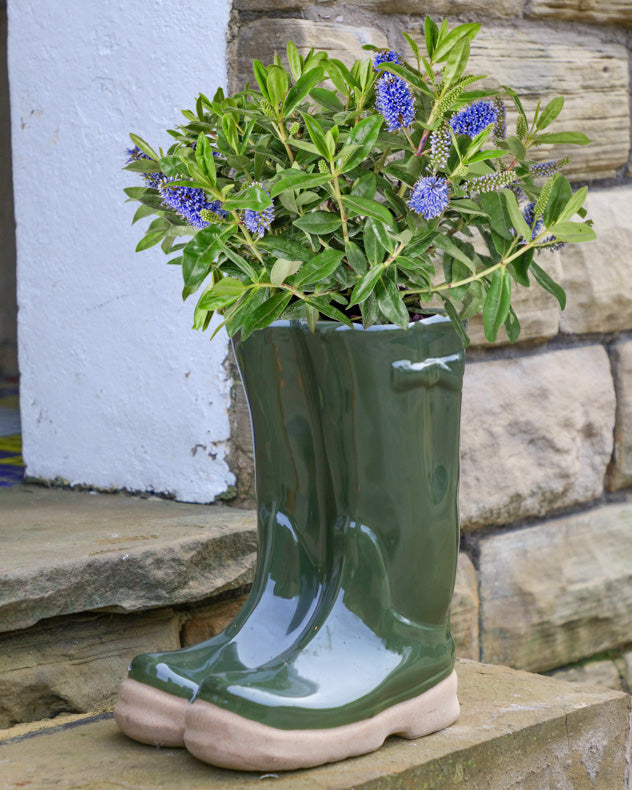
283	137
343	216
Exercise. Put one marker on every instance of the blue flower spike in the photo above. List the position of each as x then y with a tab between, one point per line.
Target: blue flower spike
429	196
395	101
258	222
474	118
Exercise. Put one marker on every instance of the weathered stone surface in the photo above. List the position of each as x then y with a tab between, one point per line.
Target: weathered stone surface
207	621
596	673
260	39
72	666
516	732
276	5
627	659
536	434
537	311
65	551
597	275
600	11
620	471
464	610
559	592
591	73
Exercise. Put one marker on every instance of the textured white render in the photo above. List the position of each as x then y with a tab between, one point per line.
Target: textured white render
117	390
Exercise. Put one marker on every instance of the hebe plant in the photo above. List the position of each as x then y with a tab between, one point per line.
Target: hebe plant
363	202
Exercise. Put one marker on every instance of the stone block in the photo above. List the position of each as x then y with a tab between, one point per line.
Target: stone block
595	673
591	72
207	621
620	471
536	434
464	610
597	274
260	6
537	311
440	8
617	12
66	551
627	658
74	666
261	38
516	732
559	592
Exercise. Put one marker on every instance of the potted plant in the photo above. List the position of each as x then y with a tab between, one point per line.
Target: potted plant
345	224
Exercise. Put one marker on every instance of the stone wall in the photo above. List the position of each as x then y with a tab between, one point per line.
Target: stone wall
545	579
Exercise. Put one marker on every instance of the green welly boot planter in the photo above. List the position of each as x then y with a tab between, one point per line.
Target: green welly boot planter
291	571
375	656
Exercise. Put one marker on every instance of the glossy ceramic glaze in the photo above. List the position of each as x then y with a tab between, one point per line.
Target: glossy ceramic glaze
362	460
295	507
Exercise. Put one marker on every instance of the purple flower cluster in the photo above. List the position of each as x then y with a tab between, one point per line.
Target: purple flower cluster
490	182
471	120
395	101
259	221
547	169
153	180
188	202
386	56
440	146
500	128
429	196
552	244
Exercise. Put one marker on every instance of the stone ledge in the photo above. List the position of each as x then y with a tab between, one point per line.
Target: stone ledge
66	552
516	730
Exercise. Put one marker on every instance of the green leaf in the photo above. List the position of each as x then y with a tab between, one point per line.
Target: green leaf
517	220
199	255
261	75
322	305
303	86
364	134
294	59
561	193
390	302
431	32
317	135
368	208
282	269
497	304
373	246
512	326
445	47
456	62
572	138
550	112
483	156
365	285
572	232
413	45
286	248
143	166
573	205
240	262
340	75
319	268
444	243
204	157
149	240
457	323
327	99
299	179
318	222
514	144
356	258
144	147
277	81
496	209
253	197
141	212
543	279
221	294
266	313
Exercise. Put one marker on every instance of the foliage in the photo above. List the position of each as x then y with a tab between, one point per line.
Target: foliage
297	201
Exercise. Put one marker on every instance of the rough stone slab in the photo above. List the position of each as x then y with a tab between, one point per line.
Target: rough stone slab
464	610
620	471
597	275
536	434
537	311
600	11
516	732
591	73
74	666
558	592
260	39
208	621
65	551
595	673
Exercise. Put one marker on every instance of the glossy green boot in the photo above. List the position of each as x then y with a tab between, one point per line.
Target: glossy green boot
377	657
291	503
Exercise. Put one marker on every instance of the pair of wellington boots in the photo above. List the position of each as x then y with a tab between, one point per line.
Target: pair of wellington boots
344	639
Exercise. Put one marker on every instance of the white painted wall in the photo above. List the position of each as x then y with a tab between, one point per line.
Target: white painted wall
116	389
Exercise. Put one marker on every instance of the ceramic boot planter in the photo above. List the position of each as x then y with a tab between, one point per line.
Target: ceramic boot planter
290	576
376	656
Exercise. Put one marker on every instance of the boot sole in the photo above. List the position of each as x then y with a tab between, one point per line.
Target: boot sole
228	740
149	715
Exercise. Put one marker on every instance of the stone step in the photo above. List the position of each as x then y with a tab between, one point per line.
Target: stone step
90	580
517	731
